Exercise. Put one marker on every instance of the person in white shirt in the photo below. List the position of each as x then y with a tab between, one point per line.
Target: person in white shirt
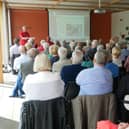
21	59
14	52
43	85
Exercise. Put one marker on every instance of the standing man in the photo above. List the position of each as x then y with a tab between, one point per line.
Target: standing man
24	36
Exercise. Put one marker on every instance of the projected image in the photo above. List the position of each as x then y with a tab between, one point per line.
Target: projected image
68	25
73	30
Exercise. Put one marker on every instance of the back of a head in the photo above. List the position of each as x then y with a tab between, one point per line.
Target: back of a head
16	41
77	57
116	51
28	46
53	50
31	40
100	57
62	52
94	43
32	52
41	63
45	45
22	49
42	41
100	47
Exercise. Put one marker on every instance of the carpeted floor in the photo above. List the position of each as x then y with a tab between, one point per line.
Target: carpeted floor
8	124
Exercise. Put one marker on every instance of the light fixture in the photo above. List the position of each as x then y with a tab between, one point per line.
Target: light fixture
100	10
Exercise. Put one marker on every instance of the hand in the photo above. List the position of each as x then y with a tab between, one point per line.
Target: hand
123	125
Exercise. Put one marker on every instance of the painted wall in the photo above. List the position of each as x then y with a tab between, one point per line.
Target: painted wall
100	26
1	41
120	23
35	20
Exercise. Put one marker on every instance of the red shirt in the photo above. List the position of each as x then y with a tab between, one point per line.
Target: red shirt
50	42
22	35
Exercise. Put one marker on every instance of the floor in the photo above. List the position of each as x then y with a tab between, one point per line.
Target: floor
9	107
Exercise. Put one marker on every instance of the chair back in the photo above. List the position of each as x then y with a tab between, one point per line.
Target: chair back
89	109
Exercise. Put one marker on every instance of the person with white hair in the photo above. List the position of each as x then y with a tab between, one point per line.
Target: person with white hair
69	72
44	84
100	47
97	80
62	53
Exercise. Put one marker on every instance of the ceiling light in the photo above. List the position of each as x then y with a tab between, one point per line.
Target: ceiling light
100	10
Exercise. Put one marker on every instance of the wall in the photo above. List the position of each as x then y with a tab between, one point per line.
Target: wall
120	21
35	20
100	26
1	41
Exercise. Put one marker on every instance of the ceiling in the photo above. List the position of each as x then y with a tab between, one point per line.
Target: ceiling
111	5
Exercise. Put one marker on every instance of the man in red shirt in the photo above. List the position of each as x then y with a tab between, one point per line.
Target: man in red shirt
24	36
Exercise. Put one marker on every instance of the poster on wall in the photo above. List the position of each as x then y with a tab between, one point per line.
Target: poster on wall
69	25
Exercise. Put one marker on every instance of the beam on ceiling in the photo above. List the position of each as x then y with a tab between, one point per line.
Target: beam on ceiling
114	1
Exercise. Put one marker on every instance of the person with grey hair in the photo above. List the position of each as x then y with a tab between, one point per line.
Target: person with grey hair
69	72
21	59
100	47
43	85
97	80
25	69
62	53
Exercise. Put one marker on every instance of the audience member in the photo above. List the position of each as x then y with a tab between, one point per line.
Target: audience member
69	72
111	66
88	59
116	56
97	80
40	48
25	69
53	51
21	59
43	85
124	52
14	52
48	40
62	53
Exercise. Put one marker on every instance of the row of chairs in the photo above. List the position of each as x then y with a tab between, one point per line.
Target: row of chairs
83	112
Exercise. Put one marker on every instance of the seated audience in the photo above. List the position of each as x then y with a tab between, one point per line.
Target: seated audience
21	59
40	48
69	72
116	56
53	53
124	51
88	59
48	40
14	52
28	46
111	66
25	69
43	85
62	53
72	45
97	80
